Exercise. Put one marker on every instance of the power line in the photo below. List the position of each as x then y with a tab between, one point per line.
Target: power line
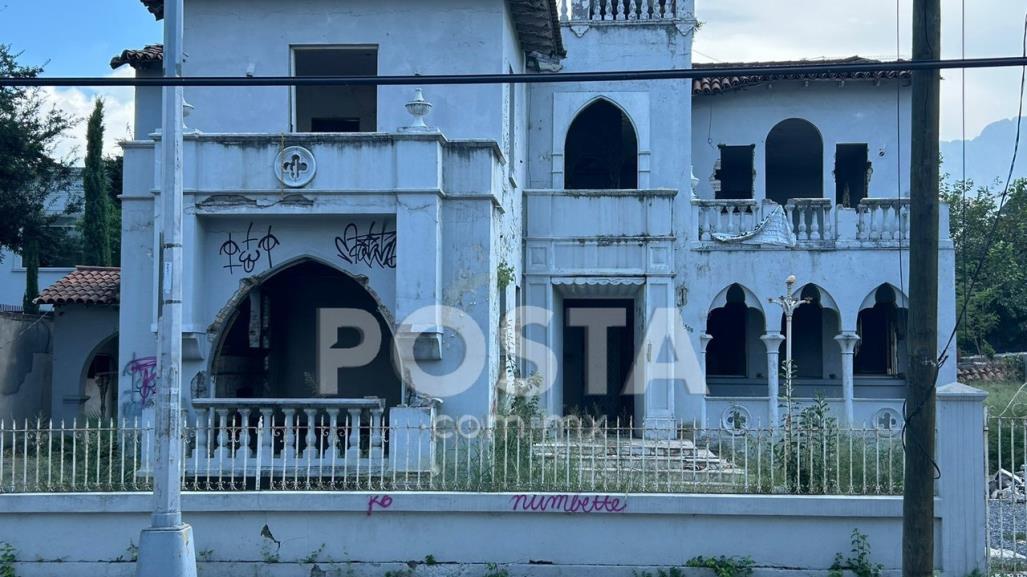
802	71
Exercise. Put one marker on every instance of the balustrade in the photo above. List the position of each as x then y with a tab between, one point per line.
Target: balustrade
259	437
883	219
617	10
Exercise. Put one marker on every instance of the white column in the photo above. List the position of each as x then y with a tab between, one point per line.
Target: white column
773	342
659	393
847	342
419	263
704	341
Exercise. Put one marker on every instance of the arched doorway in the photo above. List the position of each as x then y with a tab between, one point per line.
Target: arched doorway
269	343
735	329
795	161
601	151
881	326
100	380
814	323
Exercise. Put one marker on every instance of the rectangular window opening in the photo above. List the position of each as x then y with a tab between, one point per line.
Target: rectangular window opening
736	172
336	108
851	174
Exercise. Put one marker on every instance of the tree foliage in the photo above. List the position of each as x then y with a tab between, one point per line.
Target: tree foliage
96	222
996	306
29	173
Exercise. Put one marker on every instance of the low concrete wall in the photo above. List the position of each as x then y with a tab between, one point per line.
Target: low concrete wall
284	534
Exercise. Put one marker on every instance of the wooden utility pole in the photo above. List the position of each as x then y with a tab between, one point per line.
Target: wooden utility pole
918	495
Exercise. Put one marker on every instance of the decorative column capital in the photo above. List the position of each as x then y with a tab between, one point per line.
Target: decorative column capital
847	342
704	340
772	341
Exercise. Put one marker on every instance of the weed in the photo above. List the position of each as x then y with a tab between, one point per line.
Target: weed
205	555
723	566
859	562
314	555
7	559
430	561
493	570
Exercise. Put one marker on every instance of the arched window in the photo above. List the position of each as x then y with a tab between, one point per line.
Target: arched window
882	332
601	151
795	161
810	322
734	327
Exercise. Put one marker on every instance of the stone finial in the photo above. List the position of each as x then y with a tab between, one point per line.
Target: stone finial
418	108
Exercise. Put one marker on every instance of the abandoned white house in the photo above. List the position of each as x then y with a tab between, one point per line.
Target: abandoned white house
633	196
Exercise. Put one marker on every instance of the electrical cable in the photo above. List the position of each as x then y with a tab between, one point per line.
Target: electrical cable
824	70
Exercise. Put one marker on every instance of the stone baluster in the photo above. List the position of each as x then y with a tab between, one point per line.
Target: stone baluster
604	9
644	9
814	221
353	443
704	223
289	437
904	220
622	9
632	9
267	438
222	451
875	232
243	450
333	434
564	12
312	450
377	438
861	232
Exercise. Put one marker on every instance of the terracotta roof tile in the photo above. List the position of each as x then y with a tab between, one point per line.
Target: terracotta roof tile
152	55
721	84
93	285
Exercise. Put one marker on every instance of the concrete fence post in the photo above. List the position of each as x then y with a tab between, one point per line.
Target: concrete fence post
962	493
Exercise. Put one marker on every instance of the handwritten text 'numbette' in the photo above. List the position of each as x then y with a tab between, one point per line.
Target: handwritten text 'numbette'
569	503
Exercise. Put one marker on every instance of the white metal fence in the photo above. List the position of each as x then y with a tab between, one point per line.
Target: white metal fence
1007	498
314	451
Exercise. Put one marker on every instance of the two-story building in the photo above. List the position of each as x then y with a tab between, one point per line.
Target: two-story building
630	197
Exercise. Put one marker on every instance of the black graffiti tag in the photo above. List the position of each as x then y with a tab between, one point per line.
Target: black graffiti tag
248	253
372	248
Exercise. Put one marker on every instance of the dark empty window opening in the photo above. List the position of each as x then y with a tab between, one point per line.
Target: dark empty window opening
601	152
735	172
882	332
726	352
851	174
795	161
336	108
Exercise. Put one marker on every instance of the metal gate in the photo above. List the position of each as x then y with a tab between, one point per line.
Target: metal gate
1007	495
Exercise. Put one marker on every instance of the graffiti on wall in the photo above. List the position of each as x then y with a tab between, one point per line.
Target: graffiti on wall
246	253
538	503
373	248
143	372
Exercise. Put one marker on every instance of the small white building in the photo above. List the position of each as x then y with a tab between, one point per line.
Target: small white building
630	197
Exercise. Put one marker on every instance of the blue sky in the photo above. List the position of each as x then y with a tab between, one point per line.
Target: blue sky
79	37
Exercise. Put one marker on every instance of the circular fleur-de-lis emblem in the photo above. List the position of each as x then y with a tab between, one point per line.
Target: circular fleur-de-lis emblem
295	166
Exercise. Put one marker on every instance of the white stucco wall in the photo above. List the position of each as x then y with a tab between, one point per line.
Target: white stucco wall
856	112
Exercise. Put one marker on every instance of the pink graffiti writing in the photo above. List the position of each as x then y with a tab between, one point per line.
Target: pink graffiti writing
569	503
379	501
143	371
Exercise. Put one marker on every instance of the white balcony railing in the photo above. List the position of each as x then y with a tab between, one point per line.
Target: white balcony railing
254	437
617	10
813	222
883	219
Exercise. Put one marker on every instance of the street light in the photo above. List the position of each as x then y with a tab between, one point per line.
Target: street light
788	304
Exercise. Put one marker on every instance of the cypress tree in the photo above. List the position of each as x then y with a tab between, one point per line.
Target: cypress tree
30	260
96	223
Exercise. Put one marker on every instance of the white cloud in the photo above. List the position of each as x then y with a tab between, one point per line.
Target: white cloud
119	112
746	30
